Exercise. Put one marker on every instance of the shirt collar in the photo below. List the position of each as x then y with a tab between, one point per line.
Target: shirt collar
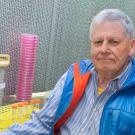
124	75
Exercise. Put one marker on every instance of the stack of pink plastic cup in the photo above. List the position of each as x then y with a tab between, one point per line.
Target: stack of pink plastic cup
27	63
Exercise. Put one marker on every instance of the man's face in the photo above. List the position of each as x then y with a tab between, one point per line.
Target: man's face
110	47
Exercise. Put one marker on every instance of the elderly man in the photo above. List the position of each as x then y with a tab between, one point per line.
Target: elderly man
94	97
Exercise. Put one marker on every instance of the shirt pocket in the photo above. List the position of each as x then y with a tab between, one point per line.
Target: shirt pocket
126	124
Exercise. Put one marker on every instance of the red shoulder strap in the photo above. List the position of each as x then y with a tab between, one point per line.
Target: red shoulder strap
80	82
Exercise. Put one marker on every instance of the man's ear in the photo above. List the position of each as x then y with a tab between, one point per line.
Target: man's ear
132	47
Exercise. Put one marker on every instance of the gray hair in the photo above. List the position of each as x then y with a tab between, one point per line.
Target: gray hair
114	15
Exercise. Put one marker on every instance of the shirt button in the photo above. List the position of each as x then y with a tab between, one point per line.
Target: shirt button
82	130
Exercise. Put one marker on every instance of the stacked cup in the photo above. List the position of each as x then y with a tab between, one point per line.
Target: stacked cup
27	63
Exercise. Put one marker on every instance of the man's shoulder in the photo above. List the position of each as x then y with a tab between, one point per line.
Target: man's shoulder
84	65
86	62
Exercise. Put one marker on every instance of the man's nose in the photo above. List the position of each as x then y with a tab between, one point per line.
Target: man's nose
104	47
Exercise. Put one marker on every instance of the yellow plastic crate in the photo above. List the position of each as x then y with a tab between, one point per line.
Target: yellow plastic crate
17	113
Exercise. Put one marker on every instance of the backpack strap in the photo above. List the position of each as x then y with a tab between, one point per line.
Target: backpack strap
80	82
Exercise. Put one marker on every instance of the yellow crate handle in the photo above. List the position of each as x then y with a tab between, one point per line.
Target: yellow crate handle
4	60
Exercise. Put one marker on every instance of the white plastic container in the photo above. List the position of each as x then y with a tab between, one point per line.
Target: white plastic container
4	62
2	86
